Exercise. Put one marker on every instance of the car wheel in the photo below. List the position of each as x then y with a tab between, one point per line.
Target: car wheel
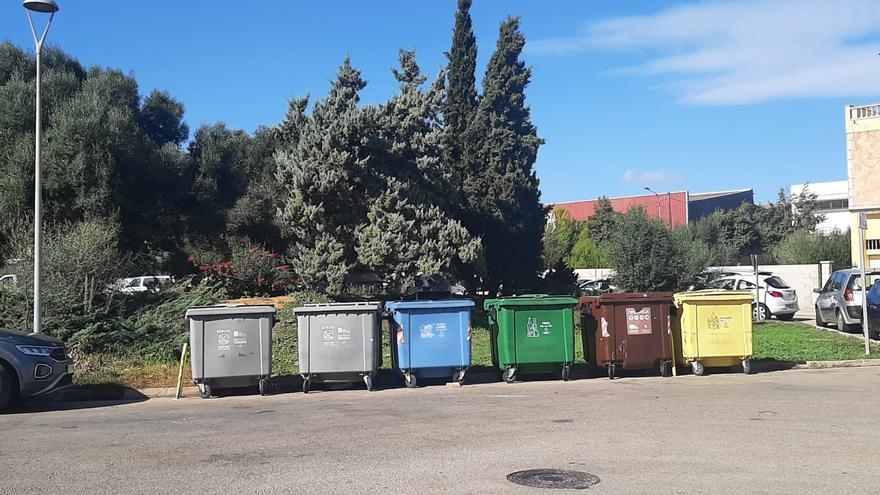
820	322
841	323
762	309
5	389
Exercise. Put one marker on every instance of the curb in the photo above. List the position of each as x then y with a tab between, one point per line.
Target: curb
166	392
853	363
116	393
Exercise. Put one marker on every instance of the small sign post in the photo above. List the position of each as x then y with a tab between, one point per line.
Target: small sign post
863	226
759	317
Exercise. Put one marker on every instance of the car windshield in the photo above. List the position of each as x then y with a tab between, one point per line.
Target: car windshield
776	283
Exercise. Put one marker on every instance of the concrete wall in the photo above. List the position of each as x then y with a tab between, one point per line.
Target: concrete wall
593	273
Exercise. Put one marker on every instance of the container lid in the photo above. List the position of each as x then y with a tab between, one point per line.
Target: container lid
531	300
628	297
442	304
349	307
231	309
714	296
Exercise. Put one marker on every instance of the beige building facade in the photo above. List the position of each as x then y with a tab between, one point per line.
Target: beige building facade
863	173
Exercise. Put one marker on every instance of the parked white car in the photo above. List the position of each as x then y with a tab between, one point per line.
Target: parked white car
146	283
775	297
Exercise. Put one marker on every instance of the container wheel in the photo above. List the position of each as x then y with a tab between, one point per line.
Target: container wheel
410	380
566	373
368	380
263	387
747	366
612	372
307	384
205	390
509	375
458	376
698	368
665	369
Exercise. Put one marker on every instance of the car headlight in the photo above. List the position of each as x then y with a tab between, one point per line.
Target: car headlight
31	350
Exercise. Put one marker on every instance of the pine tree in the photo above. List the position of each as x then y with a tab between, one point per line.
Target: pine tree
327	188
407	230
500	184
601	224
461	99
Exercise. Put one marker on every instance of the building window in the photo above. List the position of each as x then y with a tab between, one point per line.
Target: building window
873	244
833	204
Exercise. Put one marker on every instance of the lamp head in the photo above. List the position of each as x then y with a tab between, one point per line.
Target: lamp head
42	6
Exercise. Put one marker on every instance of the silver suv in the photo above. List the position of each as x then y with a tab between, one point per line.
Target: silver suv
840	300
30	366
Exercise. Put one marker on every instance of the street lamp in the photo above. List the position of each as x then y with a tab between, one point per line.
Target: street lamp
668	205
42	7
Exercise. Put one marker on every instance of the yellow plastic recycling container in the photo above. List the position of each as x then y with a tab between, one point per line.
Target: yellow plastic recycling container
714	329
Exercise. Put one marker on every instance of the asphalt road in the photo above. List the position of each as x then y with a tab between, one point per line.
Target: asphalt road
783	432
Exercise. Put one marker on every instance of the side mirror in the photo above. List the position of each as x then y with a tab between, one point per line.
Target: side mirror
817	291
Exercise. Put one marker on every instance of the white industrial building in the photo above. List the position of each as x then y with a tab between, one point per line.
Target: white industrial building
833	202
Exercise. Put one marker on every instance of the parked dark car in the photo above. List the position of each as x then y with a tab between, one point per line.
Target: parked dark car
30	366
874	310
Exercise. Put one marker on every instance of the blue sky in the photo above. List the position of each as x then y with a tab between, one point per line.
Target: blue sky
702	96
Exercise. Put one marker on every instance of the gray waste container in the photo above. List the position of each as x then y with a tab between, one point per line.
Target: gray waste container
231	346
339	342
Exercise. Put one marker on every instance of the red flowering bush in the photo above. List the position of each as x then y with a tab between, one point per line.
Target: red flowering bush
251	271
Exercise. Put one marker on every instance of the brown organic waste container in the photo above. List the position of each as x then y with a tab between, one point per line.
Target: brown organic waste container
628	331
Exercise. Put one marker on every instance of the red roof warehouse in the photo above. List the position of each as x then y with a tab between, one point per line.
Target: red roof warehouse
674	208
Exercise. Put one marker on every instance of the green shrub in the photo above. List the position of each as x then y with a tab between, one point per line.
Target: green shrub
14	307
152	326
804	247
648	257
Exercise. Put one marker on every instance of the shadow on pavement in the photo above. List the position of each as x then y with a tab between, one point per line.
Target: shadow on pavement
79	397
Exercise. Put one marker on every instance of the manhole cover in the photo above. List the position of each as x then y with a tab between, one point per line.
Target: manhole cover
553	478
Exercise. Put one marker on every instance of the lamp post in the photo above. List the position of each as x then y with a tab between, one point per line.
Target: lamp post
660	216
42	7
668	205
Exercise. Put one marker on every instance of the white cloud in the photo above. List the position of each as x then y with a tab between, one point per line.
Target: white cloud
746	51
649	177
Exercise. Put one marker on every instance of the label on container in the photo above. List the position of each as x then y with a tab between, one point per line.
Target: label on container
716	322
605	328
239	338
343	335
638	322
546	326
223	340
427	331
532	328
441	329
328	334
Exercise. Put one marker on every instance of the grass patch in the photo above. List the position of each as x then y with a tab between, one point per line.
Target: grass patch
797	342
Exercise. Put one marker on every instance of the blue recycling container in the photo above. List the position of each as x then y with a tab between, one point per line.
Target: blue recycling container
431	339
